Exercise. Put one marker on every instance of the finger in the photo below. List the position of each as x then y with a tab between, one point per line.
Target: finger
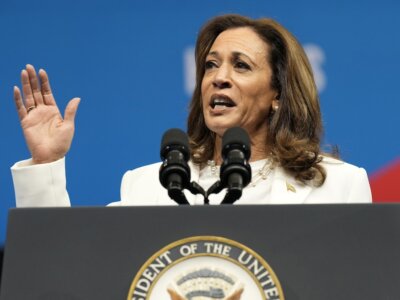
48	97
37	95
26	89
70	110
18	102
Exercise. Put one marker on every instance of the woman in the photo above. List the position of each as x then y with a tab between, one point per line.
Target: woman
250	73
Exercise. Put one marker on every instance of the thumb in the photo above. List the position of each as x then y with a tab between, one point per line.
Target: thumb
70	110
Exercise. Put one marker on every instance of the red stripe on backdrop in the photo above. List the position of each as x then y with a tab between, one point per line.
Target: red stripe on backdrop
385	184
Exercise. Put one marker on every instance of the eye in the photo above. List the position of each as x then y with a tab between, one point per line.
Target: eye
242	65
210	64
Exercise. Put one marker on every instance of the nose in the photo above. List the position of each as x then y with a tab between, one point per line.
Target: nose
222	78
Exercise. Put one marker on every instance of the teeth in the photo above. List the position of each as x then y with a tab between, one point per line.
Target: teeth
221	103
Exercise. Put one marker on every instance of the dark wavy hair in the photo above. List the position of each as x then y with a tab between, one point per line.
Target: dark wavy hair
295	129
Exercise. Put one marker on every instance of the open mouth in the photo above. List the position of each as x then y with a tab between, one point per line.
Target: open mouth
221	101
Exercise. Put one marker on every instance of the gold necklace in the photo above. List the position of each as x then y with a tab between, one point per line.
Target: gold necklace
261	174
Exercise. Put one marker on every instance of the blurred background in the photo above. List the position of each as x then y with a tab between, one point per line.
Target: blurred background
132	64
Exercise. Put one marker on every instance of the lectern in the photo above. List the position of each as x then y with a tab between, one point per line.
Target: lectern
289	251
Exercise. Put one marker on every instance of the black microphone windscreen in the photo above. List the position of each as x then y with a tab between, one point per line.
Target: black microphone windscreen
236	137
174	138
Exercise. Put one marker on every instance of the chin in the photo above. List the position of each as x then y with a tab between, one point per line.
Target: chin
219	124
220	129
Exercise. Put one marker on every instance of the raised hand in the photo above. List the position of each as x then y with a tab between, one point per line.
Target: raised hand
47	134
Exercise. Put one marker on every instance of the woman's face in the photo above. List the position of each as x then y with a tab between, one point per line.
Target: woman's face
236	84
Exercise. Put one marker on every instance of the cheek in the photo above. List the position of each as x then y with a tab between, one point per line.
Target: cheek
261	95
204	84
203	92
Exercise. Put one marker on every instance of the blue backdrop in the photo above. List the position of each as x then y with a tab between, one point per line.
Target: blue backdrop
131	63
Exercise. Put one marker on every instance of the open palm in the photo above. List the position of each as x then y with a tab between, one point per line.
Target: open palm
48	135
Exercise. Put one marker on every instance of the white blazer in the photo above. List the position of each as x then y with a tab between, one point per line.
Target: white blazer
45	185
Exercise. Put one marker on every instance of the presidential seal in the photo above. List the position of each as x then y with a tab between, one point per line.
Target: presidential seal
205	268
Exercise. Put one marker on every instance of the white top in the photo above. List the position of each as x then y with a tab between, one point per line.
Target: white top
45	185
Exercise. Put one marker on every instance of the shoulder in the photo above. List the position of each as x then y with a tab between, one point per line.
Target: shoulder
341	170
338	171
347	179
335	165
141	186
144	169
147	173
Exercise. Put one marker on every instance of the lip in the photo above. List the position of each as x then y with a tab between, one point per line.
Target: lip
223	97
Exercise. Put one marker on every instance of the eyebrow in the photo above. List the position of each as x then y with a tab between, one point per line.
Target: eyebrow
235	54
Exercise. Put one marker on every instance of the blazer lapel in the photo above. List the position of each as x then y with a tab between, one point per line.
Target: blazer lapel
286	190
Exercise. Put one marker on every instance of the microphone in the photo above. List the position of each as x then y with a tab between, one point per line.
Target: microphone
235	173
174	172
235	170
